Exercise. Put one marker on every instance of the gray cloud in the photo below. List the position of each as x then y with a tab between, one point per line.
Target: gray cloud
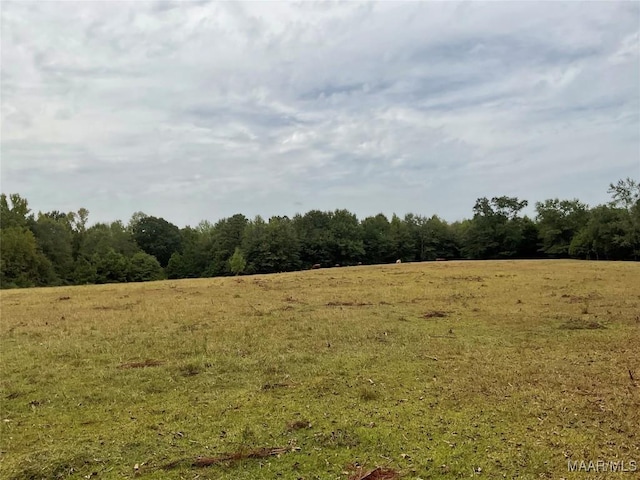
197	110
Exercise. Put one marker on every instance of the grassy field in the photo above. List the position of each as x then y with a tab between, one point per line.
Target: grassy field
435	370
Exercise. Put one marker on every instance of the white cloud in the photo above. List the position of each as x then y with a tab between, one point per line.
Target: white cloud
198	110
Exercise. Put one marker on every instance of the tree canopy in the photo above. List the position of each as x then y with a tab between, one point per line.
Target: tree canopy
57	248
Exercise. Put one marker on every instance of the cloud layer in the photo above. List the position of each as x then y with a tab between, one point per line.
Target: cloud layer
199	110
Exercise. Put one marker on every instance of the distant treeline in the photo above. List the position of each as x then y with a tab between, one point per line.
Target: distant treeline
56	248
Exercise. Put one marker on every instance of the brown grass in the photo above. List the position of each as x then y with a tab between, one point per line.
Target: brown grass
491	387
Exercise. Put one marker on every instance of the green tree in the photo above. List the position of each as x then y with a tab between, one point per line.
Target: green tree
111	267
55	239
21	264
402	239
271	247
435	239
346	244
237	262
255	246
156	236
84	272
283	246
315	235
197	251
604	236
14	212
226	235
558	222
626	196
495	231
143	267
176	266
376	239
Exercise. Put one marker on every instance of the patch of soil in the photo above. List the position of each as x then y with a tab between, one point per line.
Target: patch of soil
471	278
378	473
347	304
146	363
298	425
272	386
201	462
64	298
580	298
126	306
434	314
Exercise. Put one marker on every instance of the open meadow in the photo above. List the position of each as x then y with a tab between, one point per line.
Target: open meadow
488	369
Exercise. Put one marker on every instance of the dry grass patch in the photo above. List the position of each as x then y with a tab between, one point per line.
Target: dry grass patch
119	376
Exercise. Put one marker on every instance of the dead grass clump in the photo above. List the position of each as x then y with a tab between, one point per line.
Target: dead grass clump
201	462
434	314
581	298
126	306
467	278
298	425
378	473
368	393
230	457
64	298
347	304
146	363
577	324
337	439
272	386
190	369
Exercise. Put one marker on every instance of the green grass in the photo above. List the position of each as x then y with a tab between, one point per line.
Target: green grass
437	370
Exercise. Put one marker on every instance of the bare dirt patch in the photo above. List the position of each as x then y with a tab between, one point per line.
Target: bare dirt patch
298	425
145	364
347	304
201	462
359	472
434	314
273	386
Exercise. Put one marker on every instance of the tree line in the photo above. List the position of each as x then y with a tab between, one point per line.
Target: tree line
56	248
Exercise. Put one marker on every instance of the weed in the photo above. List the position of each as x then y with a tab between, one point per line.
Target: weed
577	324
368	393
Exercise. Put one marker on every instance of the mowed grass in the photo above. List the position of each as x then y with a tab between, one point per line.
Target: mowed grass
435	370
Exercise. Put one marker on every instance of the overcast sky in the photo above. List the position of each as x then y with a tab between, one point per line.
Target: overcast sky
197	110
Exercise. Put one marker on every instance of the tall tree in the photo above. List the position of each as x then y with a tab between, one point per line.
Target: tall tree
558	222
156	236
226	236
346	245
237	262
435	239
14	211
402	239
603	237
143	267
376	239
316	238
196	254
495	231
255	246
626	195
55	239
21	263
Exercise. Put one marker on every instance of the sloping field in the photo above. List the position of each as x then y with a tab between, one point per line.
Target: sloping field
434	370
